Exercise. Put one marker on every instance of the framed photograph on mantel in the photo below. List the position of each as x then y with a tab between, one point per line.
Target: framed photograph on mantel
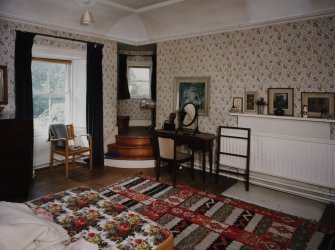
194	90
238	104
250	98
281	99
318	104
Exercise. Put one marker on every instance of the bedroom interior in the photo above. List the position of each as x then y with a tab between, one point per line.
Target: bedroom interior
127	69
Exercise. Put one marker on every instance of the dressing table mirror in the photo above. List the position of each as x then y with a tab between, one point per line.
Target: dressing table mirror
188	119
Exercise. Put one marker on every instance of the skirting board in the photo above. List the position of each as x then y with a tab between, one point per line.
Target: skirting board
130	164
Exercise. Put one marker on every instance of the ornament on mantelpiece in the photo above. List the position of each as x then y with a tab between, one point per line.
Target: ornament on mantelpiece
279	111
304	111
260	105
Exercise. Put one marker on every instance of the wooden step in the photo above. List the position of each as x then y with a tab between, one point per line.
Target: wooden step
132	144
133	140
132	158
125	150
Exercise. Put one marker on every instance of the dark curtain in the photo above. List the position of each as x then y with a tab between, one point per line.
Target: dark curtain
23	89
94	102
153	90
122	82
153	78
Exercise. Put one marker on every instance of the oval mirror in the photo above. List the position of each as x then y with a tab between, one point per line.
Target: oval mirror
188	114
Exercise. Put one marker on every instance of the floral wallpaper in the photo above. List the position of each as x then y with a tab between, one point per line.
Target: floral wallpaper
131	108
109	63
298	55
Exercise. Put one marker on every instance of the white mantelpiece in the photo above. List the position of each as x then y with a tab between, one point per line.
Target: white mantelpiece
283	117
286	125
292	151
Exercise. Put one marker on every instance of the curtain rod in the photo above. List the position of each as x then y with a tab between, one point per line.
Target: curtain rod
60	37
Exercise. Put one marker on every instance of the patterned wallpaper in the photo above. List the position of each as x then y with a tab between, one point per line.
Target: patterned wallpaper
109	63
131	108
298	55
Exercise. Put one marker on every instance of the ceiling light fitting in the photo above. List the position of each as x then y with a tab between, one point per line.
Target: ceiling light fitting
86	17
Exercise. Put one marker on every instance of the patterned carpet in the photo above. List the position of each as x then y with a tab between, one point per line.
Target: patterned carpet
201	220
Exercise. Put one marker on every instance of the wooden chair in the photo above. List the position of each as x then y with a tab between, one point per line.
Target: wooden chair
62	139
167	152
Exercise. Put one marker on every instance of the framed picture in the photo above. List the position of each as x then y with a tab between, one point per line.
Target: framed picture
238	103
318	104
250	98
281	98
194	90
3	85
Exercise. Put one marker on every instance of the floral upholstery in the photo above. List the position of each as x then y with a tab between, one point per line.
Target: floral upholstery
85	213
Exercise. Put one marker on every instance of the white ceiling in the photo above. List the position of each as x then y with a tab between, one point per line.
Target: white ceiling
140	22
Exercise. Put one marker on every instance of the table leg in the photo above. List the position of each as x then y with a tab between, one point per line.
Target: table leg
211	157
204	166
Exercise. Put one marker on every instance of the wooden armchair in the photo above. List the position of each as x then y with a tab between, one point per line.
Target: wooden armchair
62	139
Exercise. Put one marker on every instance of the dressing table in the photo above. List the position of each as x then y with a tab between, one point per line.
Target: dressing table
188	134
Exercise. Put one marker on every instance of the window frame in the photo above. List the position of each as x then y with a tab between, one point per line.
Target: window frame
139	65
78	57
67	94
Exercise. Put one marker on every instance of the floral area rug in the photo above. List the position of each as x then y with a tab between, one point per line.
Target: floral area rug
201	220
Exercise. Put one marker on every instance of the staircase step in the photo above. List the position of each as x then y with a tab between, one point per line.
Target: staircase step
133	140
130	150
132	144
132	158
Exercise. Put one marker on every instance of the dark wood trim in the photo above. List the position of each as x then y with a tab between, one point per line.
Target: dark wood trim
5	84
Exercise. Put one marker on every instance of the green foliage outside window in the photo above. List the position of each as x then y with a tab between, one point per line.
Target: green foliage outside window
49	89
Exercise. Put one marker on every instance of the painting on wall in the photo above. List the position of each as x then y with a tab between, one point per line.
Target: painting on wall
250	98
280	98
319	105
194	90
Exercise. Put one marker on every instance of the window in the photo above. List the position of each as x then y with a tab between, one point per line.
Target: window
139	82
51	92
59	94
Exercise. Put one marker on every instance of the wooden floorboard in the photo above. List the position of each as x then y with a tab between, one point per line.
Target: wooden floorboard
46	181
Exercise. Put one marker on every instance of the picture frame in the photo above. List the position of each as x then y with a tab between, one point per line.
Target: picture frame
194	90
238	103
281	98
318	103
3	85
250	98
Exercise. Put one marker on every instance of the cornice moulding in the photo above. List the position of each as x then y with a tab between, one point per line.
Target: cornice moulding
176	36
243	26
67	29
